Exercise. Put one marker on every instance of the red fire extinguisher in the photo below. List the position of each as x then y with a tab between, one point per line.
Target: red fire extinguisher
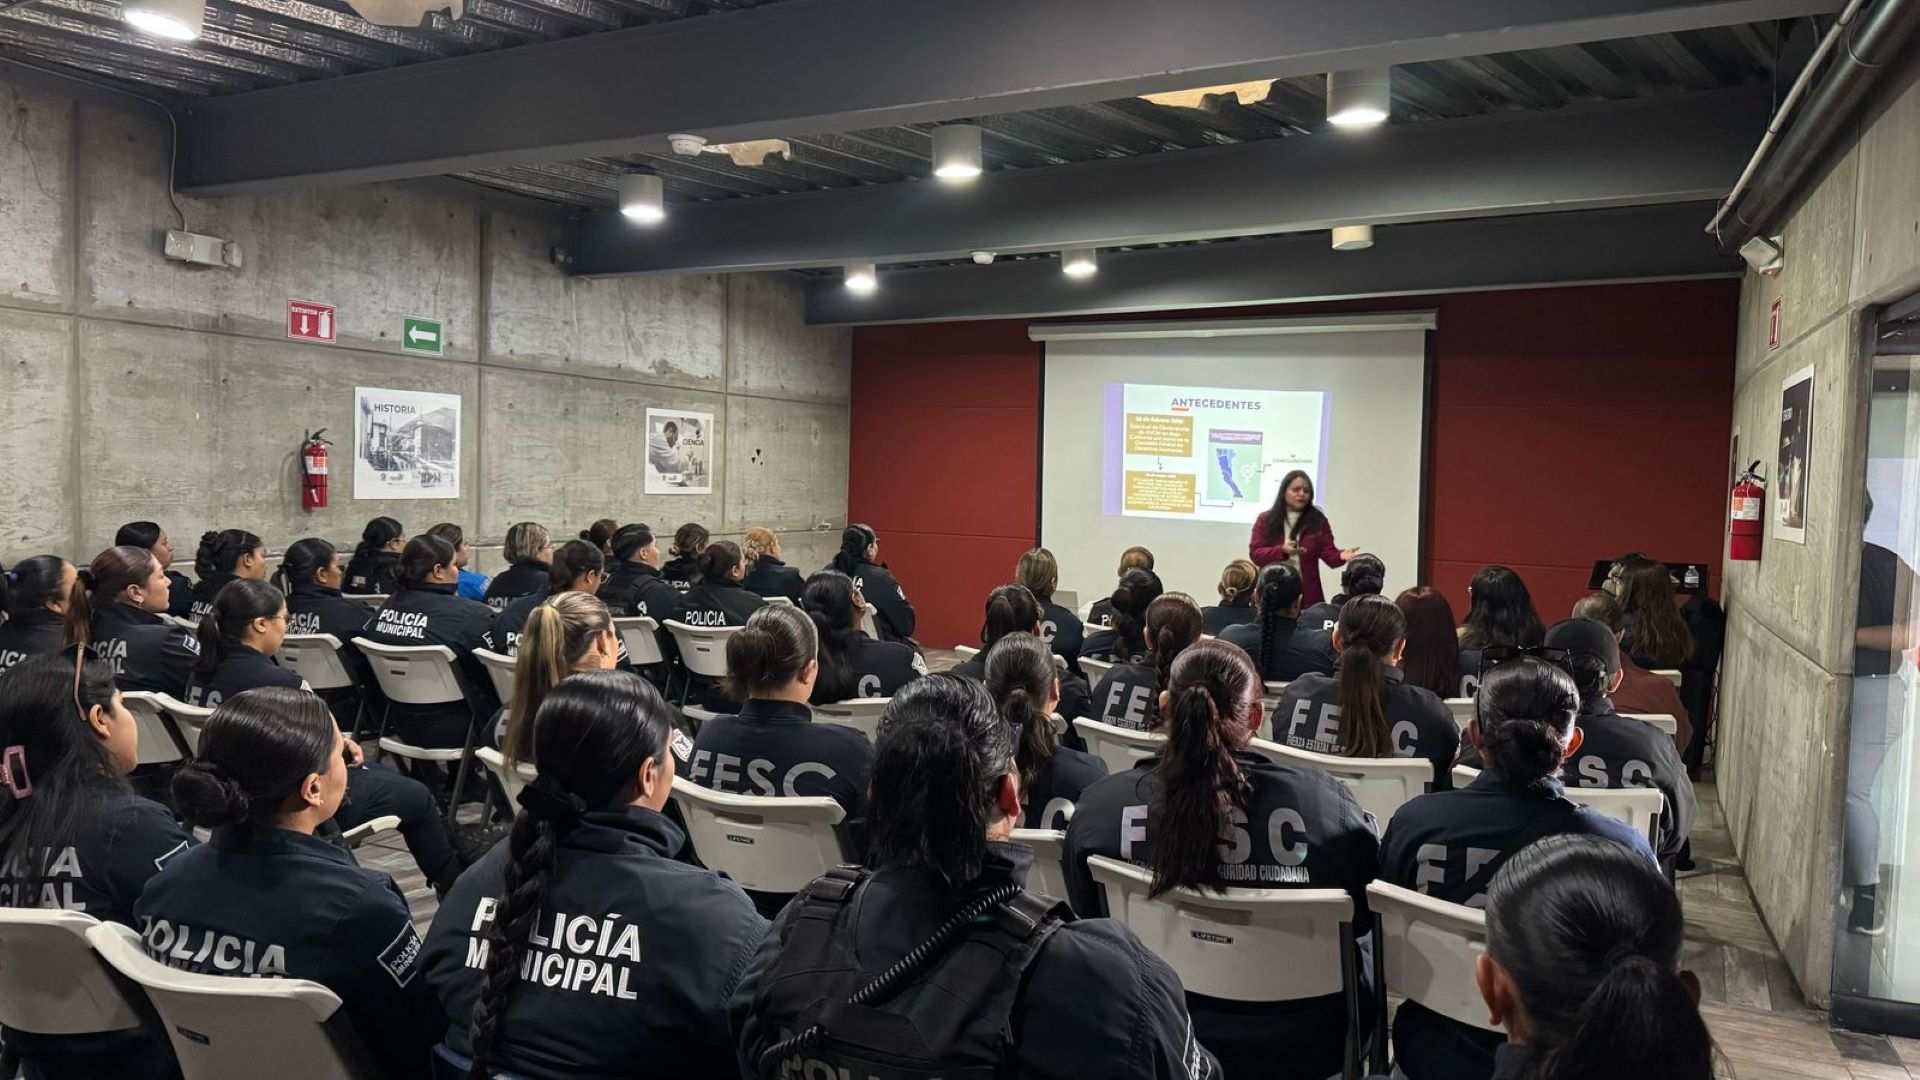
313	471
1744	525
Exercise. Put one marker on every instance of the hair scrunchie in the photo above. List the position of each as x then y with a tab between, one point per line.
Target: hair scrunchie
544	798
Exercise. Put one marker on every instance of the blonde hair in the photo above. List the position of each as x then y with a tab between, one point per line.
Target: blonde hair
758	541
552	644
1039	571
1136	558
1236	580
525	542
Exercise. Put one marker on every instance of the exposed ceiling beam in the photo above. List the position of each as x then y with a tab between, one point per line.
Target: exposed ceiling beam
1638	153
1633	244
803	67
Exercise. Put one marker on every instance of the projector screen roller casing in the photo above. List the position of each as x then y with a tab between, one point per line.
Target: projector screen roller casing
1372	371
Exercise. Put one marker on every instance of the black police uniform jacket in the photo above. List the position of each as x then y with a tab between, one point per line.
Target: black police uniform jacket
881	668
633	960
35	633
1301	829
1435	844
1058	788
1104	644
1076	700
516	581
1297	650
260	901
147	652
633	588
433	615
1308	718
1128	696
713	604
179	594
1621	752
776	748
313	608
772	577
1137	1029
503	632
682	573
205	591
1323	616
1217	617
892	612
243	669
1063	632
371	573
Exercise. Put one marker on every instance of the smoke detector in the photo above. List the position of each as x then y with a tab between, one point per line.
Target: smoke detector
687	145
984	258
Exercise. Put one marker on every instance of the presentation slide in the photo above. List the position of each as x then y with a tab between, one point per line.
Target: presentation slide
1206	453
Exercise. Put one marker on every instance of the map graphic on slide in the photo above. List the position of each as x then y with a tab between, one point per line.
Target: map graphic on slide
1236	456
1225	455
1206	453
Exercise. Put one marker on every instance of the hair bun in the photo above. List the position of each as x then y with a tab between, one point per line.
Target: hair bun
208	796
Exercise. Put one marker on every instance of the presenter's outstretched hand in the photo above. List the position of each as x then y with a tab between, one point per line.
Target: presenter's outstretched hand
1348	553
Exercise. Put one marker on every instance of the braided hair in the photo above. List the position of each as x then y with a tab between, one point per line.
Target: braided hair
1137	591
1276	591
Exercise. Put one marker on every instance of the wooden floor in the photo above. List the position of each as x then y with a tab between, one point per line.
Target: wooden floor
1764	1029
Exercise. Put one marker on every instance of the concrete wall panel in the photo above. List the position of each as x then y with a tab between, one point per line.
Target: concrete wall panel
150	449
1887	259
781	463
771	350
664	330
36	199
36	465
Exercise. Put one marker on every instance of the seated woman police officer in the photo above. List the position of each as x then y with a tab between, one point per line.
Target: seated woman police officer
1209	814
578	566
34	596
1281	647
1236	598
1060	628
858	558
74	835
719	600
1025	686
1368	710
633	585
1449	844
529	553
266	898
852	665
682	571
119	616
425	611
580	947
1128	696
565	635
310	575
767	575
1364	575
238	639
1081	998
1124	638
224	556
149	535
473	585
371	568
1013	609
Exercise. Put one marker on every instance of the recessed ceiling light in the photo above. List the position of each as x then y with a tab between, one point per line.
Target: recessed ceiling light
1353	238
175	20
643	198
957	154
1078	261
862	277
1360	98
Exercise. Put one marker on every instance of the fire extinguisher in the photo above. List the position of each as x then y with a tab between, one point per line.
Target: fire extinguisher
1744	526
313	471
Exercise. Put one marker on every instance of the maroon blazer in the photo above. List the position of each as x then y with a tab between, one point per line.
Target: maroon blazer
1316	546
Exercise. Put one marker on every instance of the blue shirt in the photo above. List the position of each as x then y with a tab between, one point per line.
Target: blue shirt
472	586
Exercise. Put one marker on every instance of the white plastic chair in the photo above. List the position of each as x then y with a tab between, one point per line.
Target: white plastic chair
766	843
500	669
1636	807
1426	950
1379	785
1274	689
513	780
315	658
860	714
189	623
967	652
641	636
1243	944
188	720
703	649
1049	847
1672	675
421	675
781	601
1120	748
223	1026
1664	721
1462	710
869	625
1067	598
51	982
1095	670
160	740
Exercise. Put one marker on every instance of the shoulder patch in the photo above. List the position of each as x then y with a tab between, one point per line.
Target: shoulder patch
191	642
682	745
160	861
401	957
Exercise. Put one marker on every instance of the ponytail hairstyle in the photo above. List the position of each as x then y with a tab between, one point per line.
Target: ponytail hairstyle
1657	632
1011	609
1277	590
379	532
575	560
423	556
1274	521
1432	658
302	563
717	563
828	601
1137	590
143	534
769	652
44	713
235	606
600	534
629	540
34	583
1371	627
1173	625
1525	712
525	541
689	541
1500	611
255	752
556	638
854	542
113	572
592	736
758	541
1364	575
938	757
1590	935
1039	571
1020	672
221	551
1236	581
1210	695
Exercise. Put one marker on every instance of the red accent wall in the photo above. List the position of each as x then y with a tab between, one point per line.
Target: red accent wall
1566	425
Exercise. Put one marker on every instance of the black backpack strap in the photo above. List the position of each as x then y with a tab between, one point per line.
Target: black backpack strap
1552	818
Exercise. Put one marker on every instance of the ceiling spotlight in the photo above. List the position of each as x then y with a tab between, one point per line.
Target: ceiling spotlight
956	152
1360	98
175	20
861	277
1353	238
1078	261
984	258
643	198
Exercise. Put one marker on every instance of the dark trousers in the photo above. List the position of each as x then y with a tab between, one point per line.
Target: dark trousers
375	790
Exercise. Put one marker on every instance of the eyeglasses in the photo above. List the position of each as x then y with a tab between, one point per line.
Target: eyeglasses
1507	654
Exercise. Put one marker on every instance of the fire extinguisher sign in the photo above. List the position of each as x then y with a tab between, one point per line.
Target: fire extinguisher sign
308	321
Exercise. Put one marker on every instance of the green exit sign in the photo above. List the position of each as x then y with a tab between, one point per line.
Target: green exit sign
423	336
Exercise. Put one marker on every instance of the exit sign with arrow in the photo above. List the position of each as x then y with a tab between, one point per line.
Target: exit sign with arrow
423	336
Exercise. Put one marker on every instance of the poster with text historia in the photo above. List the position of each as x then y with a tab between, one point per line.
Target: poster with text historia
679	452
406	444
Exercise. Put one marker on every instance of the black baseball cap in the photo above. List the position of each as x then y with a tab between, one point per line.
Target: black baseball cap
1586	636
